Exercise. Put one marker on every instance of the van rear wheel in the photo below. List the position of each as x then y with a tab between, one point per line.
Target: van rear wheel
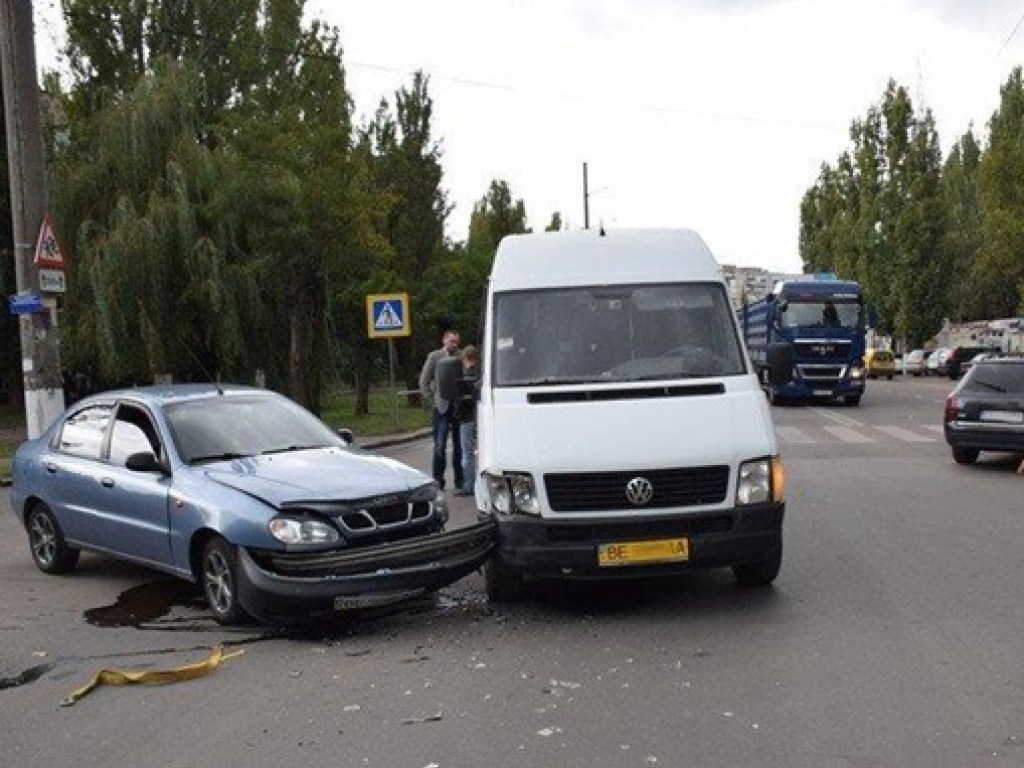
760	573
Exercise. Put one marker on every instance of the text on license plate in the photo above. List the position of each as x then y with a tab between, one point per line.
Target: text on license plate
823	392
1009	417
640	552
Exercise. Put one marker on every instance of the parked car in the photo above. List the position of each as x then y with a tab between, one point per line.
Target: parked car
977	359
985	412
914	362
936	362
242	491
879	362
958	356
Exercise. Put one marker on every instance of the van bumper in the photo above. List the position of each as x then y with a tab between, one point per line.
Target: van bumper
542	547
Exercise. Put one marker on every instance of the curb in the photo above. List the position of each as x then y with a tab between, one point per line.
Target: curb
389	440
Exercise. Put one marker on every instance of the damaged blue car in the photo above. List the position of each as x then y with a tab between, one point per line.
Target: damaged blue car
243	492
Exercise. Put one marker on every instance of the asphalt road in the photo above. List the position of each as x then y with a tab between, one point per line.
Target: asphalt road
893	637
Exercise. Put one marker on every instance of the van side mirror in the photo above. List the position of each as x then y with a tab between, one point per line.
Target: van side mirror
780	362
347	435
448	377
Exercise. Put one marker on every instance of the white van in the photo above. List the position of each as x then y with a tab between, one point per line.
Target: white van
621	430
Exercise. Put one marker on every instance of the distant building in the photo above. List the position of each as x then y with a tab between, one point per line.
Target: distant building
750	283
1006	334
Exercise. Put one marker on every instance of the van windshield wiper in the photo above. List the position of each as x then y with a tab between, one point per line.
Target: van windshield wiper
540	380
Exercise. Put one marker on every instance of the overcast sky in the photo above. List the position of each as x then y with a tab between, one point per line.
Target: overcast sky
709	114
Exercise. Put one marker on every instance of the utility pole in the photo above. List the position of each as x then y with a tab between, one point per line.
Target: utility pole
586	200
40	346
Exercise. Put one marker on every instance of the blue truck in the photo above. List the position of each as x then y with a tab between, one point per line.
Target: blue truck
822	319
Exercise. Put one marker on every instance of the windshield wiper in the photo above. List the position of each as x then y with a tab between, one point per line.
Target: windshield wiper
988	385
219	457
289	448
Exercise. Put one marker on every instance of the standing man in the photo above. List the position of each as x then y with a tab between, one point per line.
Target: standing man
465	411
443	421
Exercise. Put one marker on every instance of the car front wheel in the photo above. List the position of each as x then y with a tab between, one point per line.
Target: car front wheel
501	584
220	581
50	551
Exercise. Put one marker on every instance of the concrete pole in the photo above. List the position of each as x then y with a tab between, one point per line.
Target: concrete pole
40	345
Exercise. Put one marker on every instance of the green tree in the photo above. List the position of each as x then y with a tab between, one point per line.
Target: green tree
961	239
999	269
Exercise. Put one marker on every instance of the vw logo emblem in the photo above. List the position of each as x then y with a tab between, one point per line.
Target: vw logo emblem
639	491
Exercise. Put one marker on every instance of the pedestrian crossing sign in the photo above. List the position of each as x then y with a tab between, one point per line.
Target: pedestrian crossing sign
387	315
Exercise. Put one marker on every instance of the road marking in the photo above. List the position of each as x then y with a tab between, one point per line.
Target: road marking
848	435
936	428
837	417
794	435
904	434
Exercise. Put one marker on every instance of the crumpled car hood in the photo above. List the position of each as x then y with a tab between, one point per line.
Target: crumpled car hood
323	474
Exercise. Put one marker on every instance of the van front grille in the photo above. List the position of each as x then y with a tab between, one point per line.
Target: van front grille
604	491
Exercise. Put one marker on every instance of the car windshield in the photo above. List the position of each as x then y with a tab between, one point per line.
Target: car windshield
821	314
995	376
233	426
614	333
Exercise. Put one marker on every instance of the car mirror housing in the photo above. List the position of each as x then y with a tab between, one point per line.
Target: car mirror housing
144	461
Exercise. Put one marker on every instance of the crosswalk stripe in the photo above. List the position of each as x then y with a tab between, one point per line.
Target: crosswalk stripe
904	434
848	435
794	435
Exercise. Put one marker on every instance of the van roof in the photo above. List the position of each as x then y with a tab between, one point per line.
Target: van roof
586	257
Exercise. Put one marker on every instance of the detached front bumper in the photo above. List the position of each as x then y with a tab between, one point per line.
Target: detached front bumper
569	549
279	584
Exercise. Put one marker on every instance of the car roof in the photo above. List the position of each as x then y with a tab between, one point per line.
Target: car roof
159	395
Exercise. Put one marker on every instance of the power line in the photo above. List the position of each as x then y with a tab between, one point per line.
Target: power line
1010	37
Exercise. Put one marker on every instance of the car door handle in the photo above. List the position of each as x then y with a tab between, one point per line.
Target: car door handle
107	482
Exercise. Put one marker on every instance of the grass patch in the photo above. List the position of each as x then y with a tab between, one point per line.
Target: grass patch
339	411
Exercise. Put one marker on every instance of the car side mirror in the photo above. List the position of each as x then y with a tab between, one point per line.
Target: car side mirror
449	377
144	461
347	435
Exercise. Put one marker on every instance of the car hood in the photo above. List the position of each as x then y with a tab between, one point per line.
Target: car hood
323	474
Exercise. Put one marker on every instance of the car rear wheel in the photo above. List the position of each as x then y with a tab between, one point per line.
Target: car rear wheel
852	400
220	581
760	573
50	551
502	585
965	455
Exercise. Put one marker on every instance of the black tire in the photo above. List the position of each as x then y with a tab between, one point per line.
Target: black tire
852	400
218	577
965	455
50	551
501	584
760	573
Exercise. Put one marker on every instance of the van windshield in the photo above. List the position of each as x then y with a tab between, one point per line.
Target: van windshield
614	333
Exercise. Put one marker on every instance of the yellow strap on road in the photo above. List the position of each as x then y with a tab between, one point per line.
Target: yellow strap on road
153	676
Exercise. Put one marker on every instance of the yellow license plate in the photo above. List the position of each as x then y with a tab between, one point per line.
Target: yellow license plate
642	552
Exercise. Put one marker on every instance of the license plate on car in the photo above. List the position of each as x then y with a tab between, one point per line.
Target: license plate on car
643	552
1006	417
823	393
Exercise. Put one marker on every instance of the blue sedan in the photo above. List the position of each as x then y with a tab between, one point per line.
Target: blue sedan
242	491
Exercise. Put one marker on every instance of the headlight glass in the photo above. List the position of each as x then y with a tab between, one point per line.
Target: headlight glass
513	492
856	372
291	530
754	486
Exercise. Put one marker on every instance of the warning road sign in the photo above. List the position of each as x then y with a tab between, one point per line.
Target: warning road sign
48	253
387	315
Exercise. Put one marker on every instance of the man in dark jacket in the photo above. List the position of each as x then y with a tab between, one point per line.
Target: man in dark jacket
443	416
465	412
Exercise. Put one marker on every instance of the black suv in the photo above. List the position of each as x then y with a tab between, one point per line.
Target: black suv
986	410
959	356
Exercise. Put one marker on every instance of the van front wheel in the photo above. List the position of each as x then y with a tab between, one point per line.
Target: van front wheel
502	585
760	573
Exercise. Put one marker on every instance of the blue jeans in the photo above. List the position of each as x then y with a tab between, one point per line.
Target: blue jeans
444	425
467	439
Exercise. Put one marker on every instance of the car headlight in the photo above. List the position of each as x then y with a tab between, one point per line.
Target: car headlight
513	493
856	372
760	480
292	530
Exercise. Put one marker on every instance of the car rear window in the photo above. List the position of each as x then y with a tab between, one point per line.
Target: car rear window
991	375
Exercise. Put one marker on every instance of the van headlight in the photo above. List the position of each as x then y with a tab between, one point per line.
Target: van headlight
513	493
761	480
293	530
